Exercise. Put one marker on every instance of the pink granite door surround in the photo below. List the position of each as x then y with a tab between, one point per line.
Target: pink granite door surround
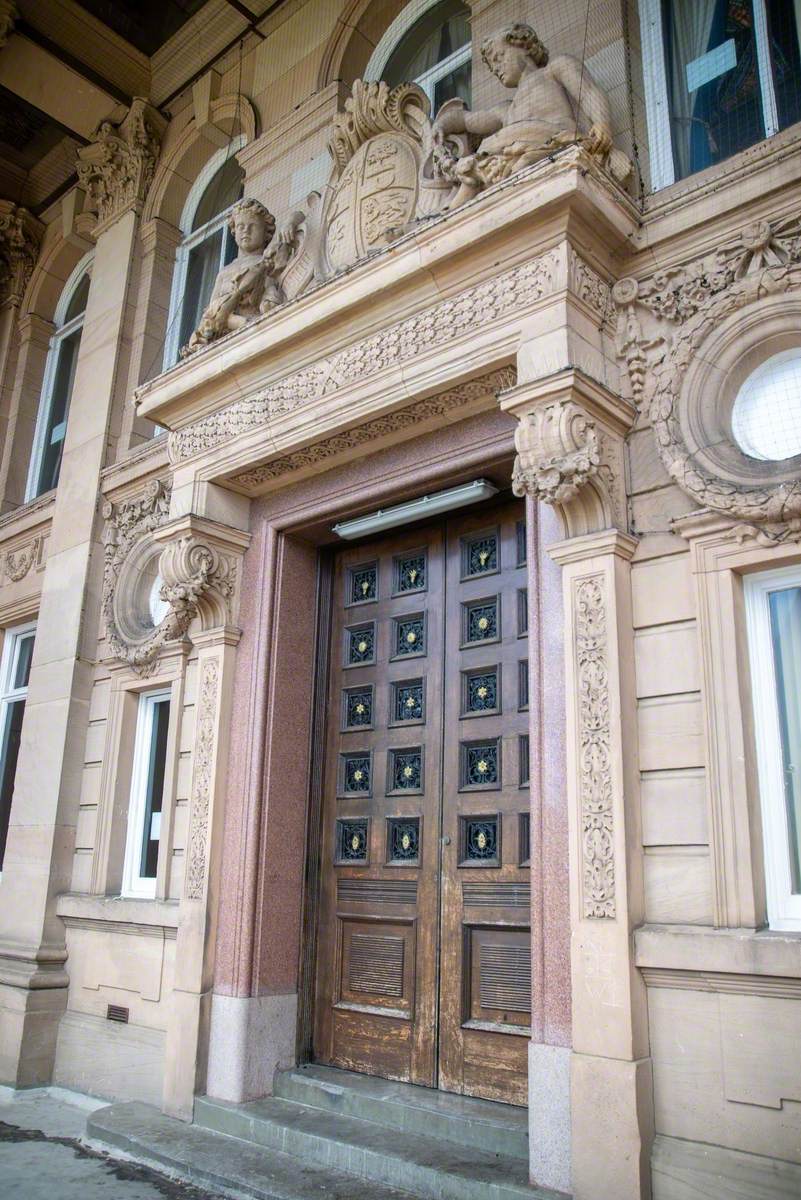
264	954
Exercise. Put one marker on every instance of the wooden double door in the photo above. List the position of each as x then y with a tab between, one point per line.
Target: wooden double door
424	968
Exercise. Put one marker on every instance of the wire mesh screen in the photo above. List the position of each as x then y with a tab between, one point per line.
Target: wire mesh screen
766	418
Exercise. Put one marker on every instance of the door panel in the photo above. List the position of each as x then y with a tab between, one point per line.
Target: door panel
485	991
425	842
377	984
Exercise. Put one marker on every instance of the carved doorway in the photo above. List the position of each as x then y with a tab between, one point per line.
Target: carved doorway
424	970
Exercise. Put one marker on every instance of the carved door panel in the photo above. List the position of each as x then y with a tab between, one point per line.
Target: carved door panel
377	962
425	809
485	989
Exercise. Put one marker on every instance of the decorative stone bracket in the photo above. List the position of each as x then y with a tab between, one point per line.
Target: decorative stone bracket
20	236
569	442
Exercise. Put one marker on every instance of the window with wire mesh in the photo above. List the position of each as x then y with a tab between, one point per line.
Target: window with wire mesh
480	841
405	770
407	702
362	583
357	707
480	765
409	635
434	52
355	771
480	555
766	416
480	621
360	645
411	573
403	841
352	841
481	691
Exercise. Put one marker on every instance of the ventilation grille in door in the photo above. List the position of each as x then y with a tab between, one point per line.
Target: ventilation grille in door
505	977
507	895
377	891
376	964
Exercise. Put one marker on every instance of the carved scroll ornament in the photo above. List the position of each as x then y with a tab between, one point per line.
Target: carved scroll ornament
557	452
662	326
188	568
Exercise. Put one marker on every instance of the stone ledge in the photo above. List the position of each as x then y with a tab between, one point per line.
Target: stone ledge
124	914
694	951
682	1170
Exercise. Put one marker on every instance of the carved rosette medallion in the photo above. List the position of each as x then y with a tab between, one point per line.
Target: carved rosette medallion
594	742
202	781
376	146
664	327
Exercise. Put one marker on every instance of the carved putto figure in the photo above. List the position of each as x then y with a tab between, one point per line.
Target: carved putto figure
556	102
251	284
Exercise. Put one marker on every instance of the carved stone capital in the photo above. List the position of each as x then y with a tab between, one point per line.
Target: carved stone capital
569	442
20	237
117	167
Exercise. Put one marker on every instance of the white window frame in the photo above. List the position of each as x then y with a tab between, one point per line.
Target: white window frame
192	238
62	331
12	642
657	104
134	884
404	21
784	908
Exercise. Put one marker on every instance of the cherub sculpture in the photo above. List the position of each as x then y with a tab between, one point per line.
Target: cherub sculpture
556	102
251	284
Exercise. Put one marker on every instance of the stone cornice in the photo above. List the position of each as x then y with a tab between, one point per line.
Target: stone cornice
516	220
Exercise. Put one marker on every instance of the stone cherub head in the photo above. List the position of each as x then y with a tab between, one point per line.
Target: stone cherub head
252	226
508	51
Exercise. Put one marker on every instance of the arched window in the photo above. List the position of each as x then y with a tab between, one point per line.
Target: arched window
59	377
427	44
207	246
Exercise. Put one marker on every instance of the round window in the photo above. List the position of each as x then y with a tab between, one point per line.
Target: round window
766	417
157	606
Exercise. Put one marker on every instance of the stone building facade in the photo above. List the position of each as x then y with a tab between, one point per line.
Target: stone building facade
493	793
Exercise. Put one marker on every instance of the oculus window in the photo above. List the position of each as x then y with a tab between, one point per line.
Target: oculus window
773	605
59	379
15	669
719	76
766	416
207	246
427	44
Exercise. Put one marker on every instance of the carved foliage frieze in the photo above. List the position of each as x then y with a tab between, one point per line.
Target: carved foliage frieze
202	779
413	417
662	325
439	324
594	746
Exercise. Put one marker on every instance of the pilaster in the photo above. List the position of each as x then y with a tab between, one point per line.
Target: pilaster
186	540
42	830
570	444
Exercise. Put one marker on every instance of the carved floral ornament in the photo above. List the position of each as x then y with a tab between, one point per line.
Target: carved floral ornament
191	572
676	325
117	167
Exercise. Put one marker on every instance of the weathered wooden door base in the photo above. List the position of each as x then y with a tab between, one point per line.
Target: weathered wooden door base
424	949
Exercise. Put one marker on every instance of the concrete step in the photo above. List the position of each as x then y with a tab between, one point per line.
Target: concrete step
496	1128
212	1160
425	1166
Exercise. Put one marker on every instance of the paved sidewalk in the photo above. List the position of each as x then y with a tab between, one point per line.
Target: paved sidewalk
43	1158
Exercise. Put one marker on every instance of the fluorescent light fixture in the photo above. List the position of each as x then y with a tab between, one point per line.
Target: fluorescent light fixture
417	510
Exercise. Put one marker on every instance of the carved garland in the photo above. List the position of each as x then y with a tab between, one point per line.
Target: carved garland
594	737
17	563
371	431
470	310
197	851
684	305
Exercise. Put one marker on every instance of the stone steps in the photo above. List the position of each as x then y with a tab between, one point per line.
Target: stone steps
498	1129
212	1160
381	1153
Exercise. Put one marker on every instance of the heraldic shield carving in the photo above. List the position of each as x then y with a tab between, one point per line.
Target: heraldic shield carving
377	148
